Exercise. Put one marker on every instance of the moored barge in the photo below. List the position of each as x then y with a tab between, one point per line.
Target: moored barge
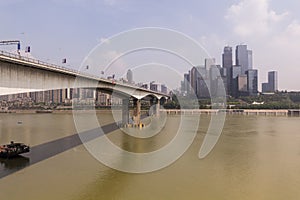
13	149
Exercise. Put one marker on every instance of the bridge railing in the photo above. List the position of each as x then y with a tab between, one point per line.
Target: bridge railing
36	61
54	66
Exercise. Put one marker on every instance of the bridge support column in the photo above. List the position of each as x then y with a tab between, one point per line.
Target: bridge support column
157	107
138	109
68	93
94	94
125	111
151	111
137	114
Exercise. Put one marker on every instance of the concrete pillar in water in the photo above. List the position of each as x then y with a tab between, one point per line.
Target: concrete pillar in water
125	111
157	107
68	93
138	112
94	94
151	111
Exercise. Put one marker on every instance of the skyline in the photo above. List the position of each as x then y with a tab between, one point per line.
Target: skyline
57	30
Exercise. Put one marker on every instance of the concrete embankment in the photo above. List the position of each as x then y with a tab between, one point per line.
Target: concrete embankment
231	112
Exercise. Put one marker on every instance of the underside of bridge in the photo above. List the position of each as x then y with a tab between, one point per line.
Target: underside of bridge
137	103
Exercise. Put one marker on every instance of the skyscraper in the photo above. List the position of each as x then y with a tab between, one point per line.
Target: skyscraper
202	82
235	71
272	84
214	76
193	79
242	85
265	87
227	65
273	81
129	76
209	62
252	80
186	83
250	64
243	57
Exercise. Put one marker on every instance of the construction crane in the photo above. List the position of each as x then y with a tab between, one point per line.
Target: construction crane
12	42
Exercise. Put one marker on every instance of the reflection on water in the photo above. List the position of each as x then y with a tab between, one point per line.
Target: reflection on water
15	163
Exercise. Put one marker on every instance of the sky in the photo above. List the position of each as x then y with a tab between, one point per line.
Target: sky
57	29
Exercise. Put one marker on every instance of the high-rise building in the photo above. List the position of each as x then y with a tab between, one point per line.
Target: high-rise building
158	87
243	58
239	79
164	89
193	79
103	99
209	62
186	84
202	82
272	84
235	71
214	72
145	85
250	61
252	79
273	81
265	87
215	76
227	65
242	85
56	96
129	76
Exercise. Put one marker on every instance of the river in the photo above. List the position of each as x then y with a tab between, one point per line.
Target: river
256	157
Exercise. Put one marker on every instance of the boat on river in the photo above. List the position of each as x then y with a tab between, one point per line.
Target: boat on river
44	111
13	149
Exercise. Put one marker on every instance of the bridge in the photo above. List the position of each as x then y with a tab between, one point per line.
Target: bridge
21	74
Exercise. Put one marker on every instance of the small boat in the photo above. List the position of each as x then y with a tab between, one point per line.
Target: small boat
13	149
44	111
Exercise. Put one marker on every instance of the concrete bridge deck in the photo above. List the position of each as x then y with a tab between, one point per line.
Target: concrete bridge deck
22	74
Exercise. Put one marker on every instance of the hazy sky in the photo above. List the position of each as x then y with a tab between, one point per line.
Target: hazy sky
57	29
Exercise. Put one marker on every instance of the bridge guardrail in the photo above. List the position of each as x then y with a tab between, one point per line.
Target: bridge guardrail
36	61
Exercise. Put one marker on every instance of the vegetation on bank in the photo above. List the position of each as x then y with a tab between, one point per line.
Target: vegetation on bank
279	100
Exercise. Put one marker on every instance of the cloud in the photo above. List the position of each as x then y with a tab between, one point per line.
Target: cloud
253	18
274	38
293	29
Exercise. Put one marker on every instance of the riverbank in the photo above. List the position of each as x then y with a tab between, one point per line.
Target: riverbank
33	111
266	112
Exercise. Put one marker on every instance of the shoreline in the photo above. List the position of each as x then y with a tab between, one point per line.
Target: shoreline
273	112
265	112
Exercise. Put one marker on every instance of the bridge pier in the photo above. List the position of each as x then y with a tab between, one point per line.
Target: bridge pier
157	107
125	111
68	93
94	94
137	111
